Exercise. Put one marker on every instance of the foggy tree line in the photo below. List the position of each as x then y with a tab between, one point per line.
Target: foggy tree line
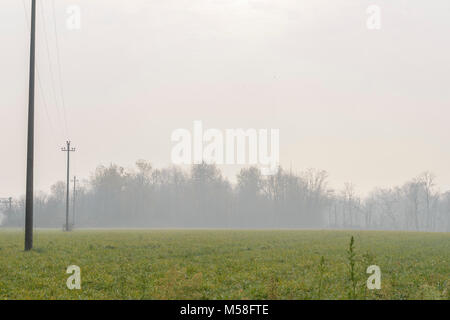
201	197
417	205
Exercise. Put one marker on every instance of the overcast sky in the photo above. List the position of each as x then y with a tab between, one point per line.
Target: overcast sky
368	106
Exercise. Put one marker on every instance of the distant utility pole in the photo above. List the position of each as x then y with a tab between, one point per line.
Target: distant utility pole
67	149
75	180
30	138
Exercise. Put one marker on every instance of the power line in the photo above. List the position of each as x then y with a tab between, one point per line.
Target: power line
41	11
42	93
44	102
58	59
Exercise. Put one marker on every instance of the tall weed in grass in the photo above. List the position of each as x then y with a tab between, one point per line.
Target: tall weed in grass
321	275
351	259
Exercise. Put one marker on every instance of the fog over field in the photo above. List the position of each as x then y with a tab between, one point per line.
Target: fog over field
202	198
367	108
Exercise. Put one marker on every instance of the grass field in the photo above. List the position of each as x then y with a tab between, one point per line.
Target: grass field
219	264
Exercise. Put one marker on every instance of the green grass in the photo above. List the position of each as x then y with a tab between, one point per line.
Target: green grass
219	264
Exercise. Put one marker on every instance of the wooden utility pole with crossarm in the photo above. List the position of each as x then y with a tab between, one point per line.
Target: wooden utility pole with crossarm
67	149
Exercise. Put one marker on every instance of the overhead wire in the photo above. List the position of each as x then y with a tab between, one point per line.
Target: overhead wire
58	60
40	87
41	9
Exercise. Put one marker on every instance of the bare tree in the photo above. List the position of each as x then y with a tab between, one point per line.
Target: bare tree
427	181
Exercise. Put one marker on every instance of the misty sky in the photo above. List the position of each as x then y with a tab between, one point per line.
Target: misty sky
368	106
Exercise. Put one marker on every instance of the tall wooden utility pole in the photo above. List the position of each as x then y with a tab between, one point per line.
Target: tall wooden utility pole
67	149
30	138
